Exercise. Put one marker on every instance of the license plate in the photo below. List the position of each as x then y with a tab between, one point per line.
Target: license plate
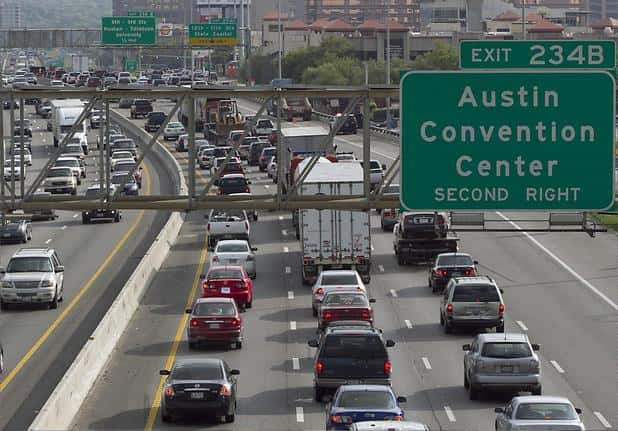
474	311
506	368
423	220
225	290
197	395
214	325
455	274
232	260
354	382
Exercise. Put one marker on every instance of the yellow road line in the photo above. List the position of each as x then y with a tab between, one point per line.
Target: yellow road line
65	312
156	399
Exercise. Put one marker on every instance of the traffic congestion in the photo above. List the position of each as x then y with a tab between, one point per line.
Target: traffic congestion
306	319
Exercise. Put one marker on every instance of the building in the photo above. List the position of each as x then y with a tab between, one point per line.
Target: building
602	9
171	11
356	12
11	15
259	8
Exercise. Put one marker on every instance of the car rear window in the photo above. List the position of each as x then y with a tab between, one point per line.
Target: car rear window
232	248
506	350
269	152
222	151
67	163
156	116
210	309
346	299
478	293
338	279
197	372
366	400
227	215
455	261
545	411
262	124
224	273
354	346
141	102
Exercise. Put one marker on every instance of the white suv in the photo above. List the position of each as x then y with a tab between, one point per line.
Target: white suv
33	275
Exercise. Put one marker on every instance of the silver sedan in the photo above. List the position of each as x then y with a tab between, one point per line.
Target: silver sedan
235	252
538	412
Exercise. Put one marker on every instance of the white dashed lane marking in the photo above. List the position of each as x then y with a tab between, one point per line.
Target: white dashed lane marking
557	366
293	325
602	419
393	293
426	363
408	324
295	364
288	270
449	414
300	415
290	294
521	325
380	268
286	250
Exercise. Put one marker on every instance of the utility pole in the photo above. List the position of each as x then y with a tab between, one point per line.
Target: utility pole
279	32
388	59
523	19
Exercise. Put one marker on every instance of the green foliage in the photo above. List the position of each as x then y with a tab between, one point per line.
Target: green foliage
260	67
443	57
338	71
297	62
64	13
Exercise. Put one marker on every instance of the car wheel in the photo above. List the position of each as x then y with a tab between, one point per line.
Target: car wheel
230	418
318	394
314	311
239	345
474	392
165	416
54	304
74	192
401	260
466	383
3	306
79	182
447	328
24	239
255	217
500	329
537	391
85	220
250	303
192	345
117	218
441	320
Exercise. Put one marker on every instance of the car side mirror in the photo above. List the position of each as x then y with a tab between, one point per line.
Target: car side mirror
401	399
254	249
235	372
313	343
578	410
536	347
202	276
390	343
502	291
2	270
384	166
60	268
499	409
164	372
466	348
188	310
476	262
249	182
140	168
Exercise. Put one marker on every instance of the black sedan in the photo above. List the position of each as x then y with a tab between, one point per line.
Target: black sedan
199	386
16	231
449	265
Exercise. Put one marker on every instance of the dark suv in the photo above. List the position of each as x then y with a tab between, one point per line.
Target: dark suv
154	121
141	108
255	151
350	355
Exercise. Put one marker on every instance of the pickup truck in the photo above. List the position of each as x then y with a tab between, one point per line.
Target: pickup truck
141	108
376	172
421	236
227	224
263	127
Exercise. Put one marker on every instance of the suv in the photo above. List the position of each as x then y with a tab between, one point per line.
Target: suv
140	108
501	362
350	356
154	121
94	192
473	302
255	151
33	275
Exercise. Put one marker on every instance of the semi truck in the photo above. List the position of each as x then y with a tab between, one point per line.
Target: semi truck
334	239
64	114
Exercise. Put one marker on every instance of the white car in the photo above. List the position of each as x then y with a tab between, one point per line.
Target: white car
12	171
271	168
118	156
56	83
331	280
263	127
173	130
73	164
538	412
27	156
235	252
60	180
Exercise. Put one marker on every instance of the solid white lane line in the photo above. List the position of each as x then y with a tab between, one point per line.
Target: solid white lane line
284	232
280	217
290	294
288	270
286	250
300	415
521	325
295	364
426	363
372	249
293	325
408	324
48	241
64	227
266	186
561	263
75	215
557	366
381	268
393	293
602	419
449	414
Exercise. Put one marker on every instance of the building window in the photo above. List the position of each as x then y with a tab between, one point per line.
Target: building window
273	28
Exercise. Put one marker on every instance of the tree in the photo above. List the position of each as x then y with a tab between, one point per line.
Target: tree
261	67
295	63
442	57
340	71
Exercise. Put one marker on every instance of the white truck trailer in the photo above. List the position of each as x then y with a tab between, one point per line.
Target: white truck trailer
334	239
64	114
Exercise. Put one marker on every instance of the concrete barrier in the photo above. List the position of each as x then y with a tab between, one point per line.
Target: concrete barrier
62	406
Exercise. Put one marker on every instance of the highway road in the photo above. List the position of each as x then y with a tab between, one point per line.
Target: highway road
40	344
559	288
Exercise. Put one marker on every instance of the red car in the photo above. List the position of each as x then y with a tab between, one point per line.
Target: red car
229	282
346	305
214	320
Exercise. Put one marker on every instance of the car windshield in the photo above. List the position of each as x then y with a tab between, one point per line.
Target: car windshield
122	155
232	248
506	350
374	164
124	144
123	178
29	264
354	346
123	166
346	299
72	148
545	411
455	260
65	172
67	163
482	293
197	372
295	102
156	116
366	400
174	126
262	124
224	273
214	309
227	215
338	279
269	152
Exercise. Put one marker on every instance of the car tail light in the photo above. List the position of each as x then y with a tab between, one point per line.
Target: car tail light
169	391
336	419
387	367
226	389
387	213
247	190
365	315
320	291
194	322
215	259
441	273
208	227
319	367
449	308
470	272
235	322
441	219
501	308
327	315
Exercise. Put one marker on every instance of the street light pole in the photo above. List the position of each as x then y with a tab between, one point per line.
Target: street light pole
388	60
523	19
279	33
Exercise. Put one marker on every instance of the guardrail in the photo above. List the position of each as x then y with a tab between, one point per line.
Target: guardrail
65	401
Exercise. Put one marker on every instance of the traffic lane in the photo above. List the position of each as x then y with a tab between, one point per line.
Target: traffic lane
439	357
144	348
23	328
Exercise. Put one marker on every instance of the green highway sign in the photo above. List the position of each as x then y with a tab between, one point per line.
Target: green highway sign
141	13
213	34
124	30
507	140
130	65
537	54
